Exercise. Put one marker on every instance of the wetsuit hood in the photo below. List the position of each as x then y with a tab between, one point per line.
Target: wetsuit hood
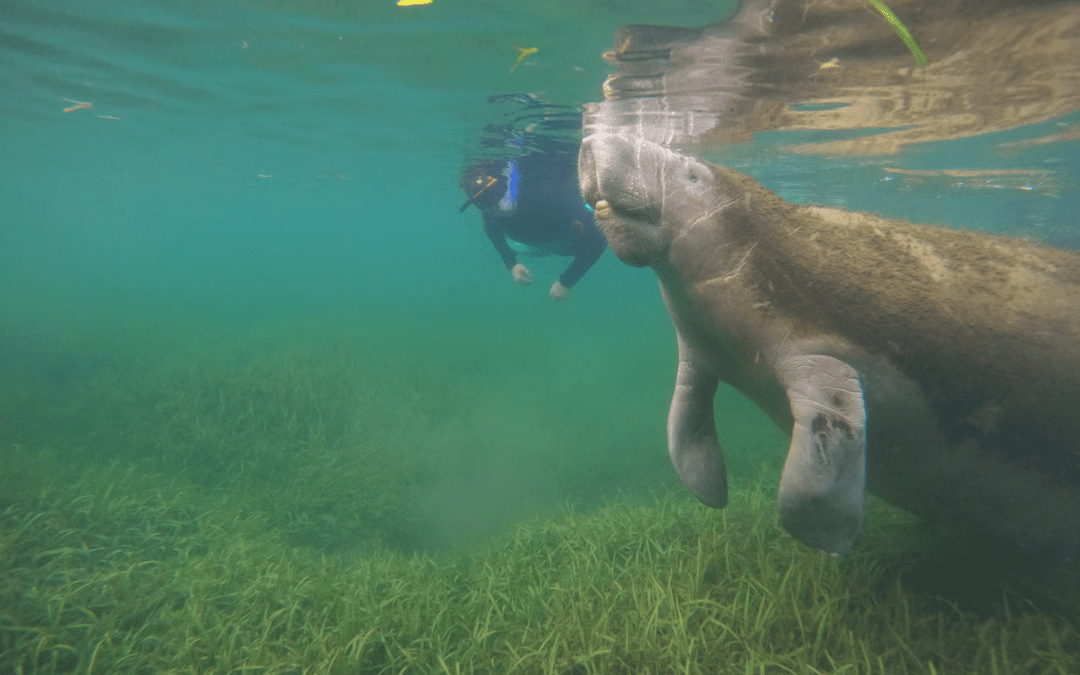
484	184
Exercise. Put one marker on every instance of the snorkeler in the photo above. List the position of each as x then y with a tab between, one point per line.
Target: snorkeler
534	200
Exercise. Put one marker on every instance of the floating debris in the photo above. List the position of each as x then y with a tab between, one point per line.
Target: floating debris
79	105
524	52
901	30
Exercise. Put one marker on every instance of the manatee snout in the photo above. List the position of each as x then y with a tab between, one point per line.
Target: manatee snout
614	183
590	186
610	169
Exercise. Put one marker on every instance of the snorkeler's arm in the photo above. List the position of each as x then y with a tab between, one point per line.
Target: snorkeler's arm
498	239
588	246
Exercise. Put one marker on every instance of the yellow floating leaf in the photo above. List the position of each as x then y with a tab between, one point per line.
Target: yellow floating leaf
524	52
410	3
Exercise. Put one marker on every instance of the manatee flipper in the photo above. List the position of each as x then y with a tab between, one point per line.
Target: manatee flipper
692	443
824	481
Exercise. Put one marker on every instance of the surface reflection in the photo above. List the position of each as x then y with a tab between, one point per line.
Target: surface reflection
838	66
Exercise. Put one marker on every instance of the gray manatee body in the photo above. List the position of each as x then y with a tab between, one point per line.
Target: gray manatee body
940	369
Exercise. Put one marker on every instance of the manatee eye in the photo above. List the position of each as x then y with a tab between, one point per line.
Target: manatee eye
693	177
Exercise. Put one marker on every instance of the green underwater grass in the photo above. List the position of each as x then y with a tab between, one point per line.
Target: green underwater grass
120	571
247	506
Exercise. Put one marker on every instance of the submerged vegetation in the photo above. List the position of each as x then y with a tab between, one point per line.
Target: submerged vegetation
117	571
253	509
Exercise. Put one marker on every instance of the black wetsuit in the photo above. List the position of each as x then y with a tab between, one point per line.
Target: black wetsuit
540	205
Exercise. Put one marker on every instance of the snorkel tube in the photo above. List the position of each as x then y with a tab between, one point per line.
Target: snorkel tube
491	180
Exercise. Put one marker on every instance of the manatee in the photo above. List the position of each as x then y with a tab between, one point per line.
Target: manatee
937	368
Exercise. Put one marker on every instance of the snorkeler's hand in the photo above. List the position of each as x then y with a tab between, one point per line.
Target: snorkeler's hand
522	275
558	292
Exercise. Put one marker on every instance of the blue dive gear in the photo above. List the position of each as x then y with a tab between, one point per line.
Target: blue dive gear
509	200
